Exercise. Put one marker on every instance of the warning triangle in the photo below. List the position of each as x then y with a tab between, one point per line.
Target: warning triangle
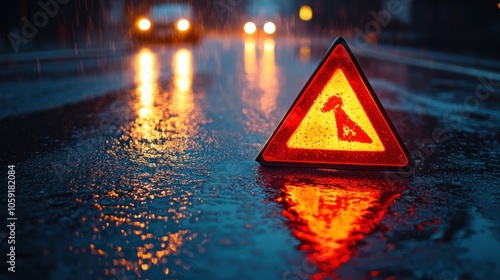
336	121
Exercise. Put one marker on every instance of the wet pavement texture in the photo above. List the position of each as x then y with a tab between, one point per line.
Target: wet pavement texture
151	175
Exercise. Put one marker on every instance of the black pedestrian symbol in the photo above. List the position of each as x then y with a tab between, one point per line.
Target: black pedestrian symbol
347	129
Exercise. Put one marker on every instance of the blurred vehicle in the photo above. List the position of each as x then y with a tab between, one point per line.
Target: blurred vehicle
168	22
261	17
260	25
255	26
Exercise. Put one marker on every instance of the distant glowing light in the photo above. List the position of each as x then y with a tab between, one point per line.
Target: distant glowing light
144	24
183	25
269	27
250	28
305	13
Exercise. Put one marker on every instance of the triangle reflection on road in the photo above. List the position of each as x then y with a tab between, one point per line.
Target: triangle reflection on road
330	215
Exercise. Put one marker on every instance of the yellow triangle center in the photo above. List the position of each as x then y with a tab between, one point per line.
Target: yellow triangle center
336	122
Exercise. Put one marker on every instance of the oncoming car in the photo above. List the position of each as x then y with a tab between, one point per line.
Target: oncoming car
261	18
258	27
168	22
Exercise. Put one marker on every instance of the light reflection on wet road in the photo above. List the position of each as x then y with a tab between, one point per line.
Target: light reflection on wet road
259	97
145	217
158	180
330	215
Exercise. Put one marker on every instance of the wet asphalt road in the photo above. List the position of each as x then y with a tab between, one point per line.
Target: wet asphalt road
150	173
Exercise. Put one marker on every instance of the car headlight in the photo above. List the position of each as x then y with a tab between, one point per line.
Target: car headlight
144	24
183	24
250	28
269	27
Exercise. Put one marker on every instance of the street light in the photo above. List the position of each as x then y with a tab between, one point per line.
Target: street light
305	13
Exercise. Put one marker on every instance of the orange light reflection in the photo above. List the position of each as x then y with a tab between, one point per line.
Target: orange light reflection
250	60
167	119
147	86
305	50
164	115
330	215
182	104
268	81
262	76
182	70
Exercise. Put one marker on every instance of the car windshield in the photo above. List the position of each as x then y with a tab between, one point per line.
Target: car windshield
170	11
